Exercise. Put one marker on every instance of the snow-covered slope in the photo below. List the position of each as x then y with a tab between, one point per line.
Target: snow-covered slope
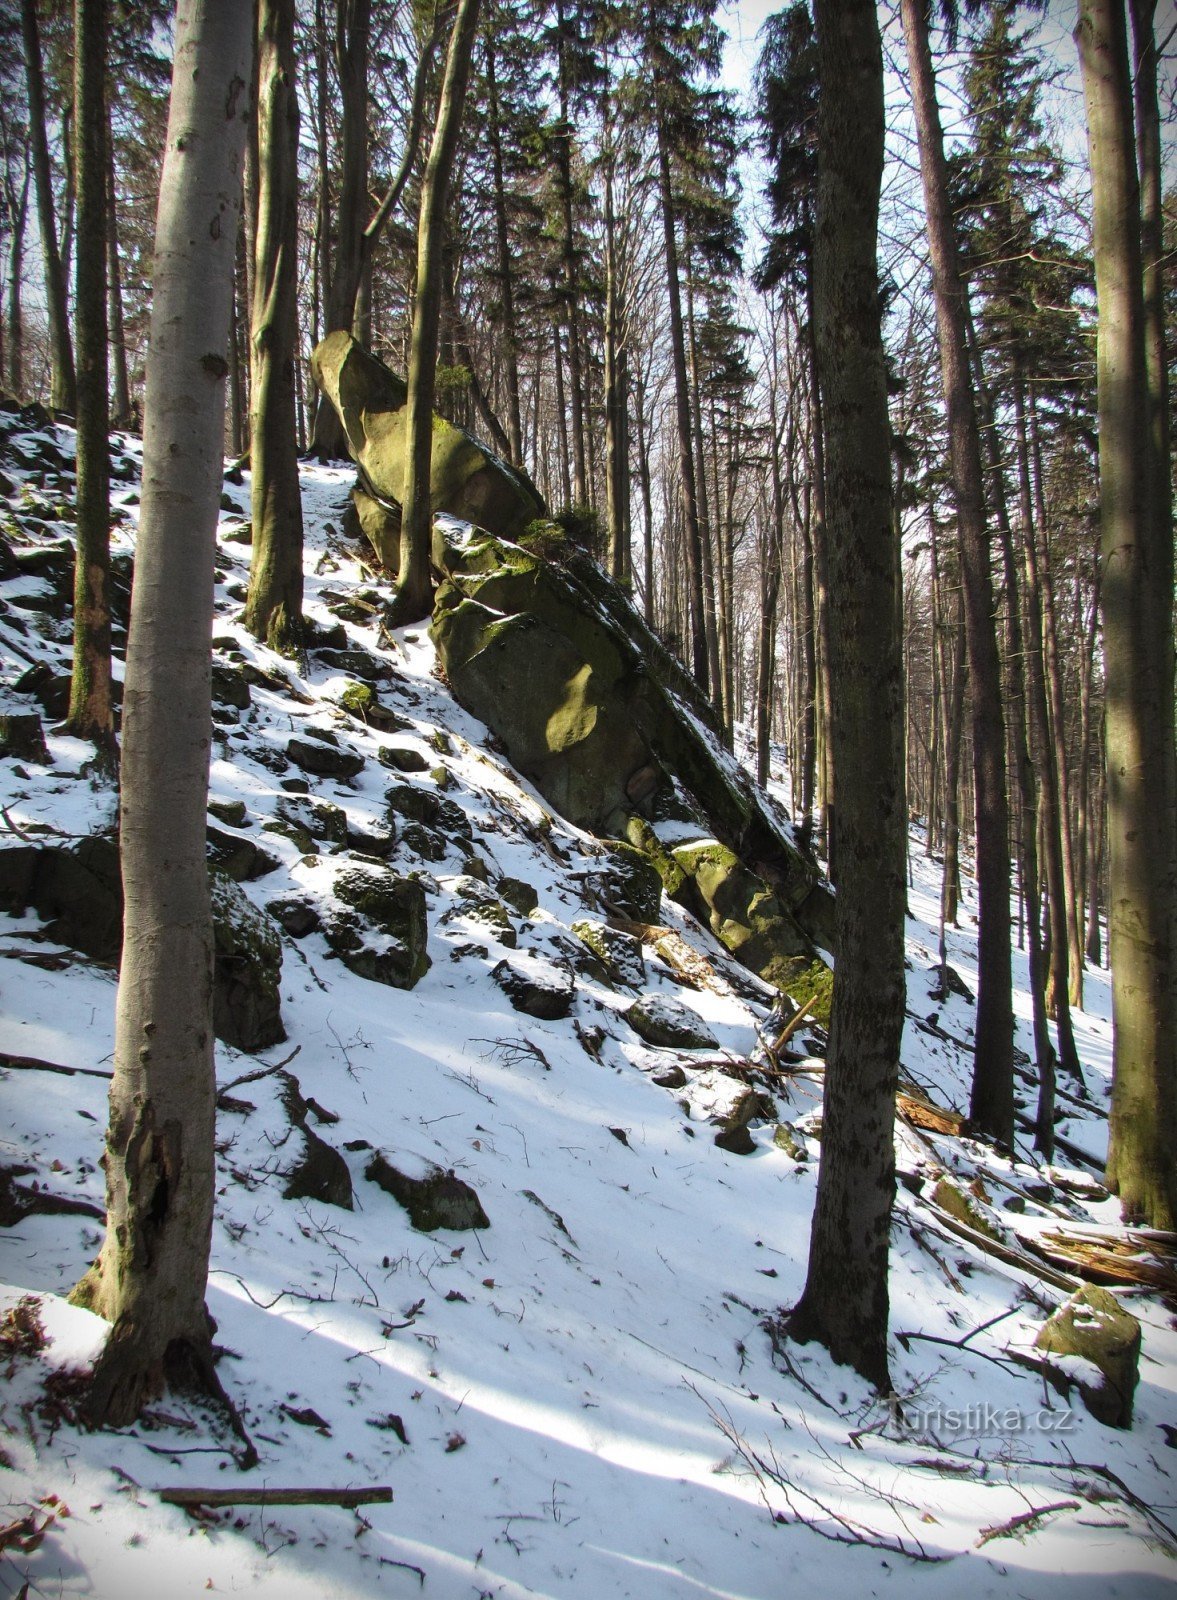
581	1399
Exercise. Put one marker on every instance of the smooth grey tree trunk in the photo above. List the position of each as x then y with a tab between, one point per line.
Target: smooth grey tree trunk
149	1280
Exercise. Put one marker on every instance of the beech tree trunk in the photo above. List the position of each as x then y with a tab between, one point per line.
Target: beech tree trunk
1137	594
91	715
992	1102
845	1302
273	607
149	1280
414	596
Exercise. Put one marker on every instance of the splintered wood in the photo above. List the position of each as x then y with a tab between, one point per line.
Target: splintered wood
692	969
1128	1260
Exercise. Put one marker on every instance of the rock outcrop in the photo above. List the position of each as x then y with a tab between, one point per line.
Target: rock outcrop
611	730
77	891
467	480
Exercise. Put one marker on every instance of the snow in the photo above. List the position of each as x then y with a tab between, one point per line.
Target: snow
591	1403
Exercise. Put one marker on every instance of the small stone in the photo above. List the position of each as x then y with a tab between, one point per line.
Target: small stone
401	758
231	812
785	1138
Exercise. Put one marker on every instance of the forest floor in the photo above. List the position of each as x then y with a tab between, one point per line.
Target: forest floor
582	1399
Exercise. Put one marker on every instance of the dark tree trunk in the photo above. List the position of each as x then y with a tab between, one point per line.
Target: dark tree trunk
414	596
91	715
682	416
506	275
273	607
992	1103
63	384
122	414
351	60
845	1302
18	211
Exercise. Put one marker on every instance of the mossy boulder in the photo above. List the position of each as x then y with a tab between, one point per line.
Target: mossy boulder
518	894
662	1020
438	1200
318	819
247	995
965	1207
535	986
1097	1329
614	956
478	905
466	479
592	709
238	856
324	758
382	934
23	738
427	806
743	912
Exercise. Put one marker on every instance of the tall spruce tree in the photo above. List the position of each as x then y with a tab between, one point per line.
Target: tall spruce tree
845	1302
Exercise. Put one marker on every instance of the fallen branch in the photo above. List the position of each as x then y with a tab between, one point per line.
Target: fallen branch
790	1028
32	1064
348	1498
1003	1252
1024	1522
259	1072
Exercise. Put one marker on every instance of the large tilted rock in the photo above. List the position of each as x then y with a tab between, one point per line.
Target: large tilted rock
593	709
467	480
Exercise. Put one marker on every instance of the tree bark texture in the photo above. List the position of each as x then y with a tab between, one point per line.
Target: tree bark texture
992	1102
149	1279
352	28
845	1302
62	391
682	417
91	715
1137	591
273	608
414	587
